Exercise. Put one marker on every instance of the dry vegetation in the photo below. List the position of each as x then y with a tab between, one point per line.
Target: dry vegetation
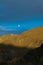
30	39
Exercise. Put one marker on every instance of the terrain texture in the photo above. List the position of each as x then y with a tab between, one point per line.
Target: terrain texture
30	39
22	49
10	55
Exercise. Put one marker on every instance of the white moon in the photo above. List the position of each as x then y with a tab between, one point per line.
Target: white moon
18	25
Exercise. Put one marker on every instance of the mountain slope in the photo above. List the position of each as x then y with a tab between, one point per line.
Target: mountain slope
30	39
34	37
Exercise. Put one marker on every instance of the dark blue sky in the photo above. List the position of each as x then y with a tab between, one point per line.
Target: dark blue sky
26	13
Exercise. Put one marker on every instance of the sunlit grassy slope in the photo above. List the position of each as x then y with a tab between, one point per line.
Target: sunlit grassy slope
30	39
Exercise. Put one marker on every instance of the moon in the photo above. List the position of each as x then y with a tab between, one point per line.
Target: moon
18	25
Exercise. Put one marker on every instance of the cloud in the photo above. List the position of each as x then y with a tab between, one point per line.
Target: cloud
5	29
2	28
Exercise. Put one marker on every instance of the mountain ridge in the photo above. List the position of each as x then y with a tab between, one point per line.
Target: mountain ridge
30	39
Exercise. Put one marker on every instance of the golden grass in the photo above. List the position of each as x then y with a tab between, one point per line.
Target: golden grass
30	39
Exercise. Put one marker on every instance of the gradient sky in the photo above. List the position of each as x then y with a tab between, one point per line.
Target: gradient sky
21	14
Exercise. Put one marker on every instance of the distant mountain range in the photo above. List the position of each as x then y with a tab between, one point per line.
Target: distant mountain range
30	39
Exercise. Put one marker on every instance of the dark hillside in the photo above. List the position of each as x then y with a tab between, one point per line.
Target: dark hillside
10	55
33	57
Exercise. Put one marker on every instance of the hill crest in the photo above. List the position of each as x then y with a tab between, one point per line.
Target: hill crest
30	39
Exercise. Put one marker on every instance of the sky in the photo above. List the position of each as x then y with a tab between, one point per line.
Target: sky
21	14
